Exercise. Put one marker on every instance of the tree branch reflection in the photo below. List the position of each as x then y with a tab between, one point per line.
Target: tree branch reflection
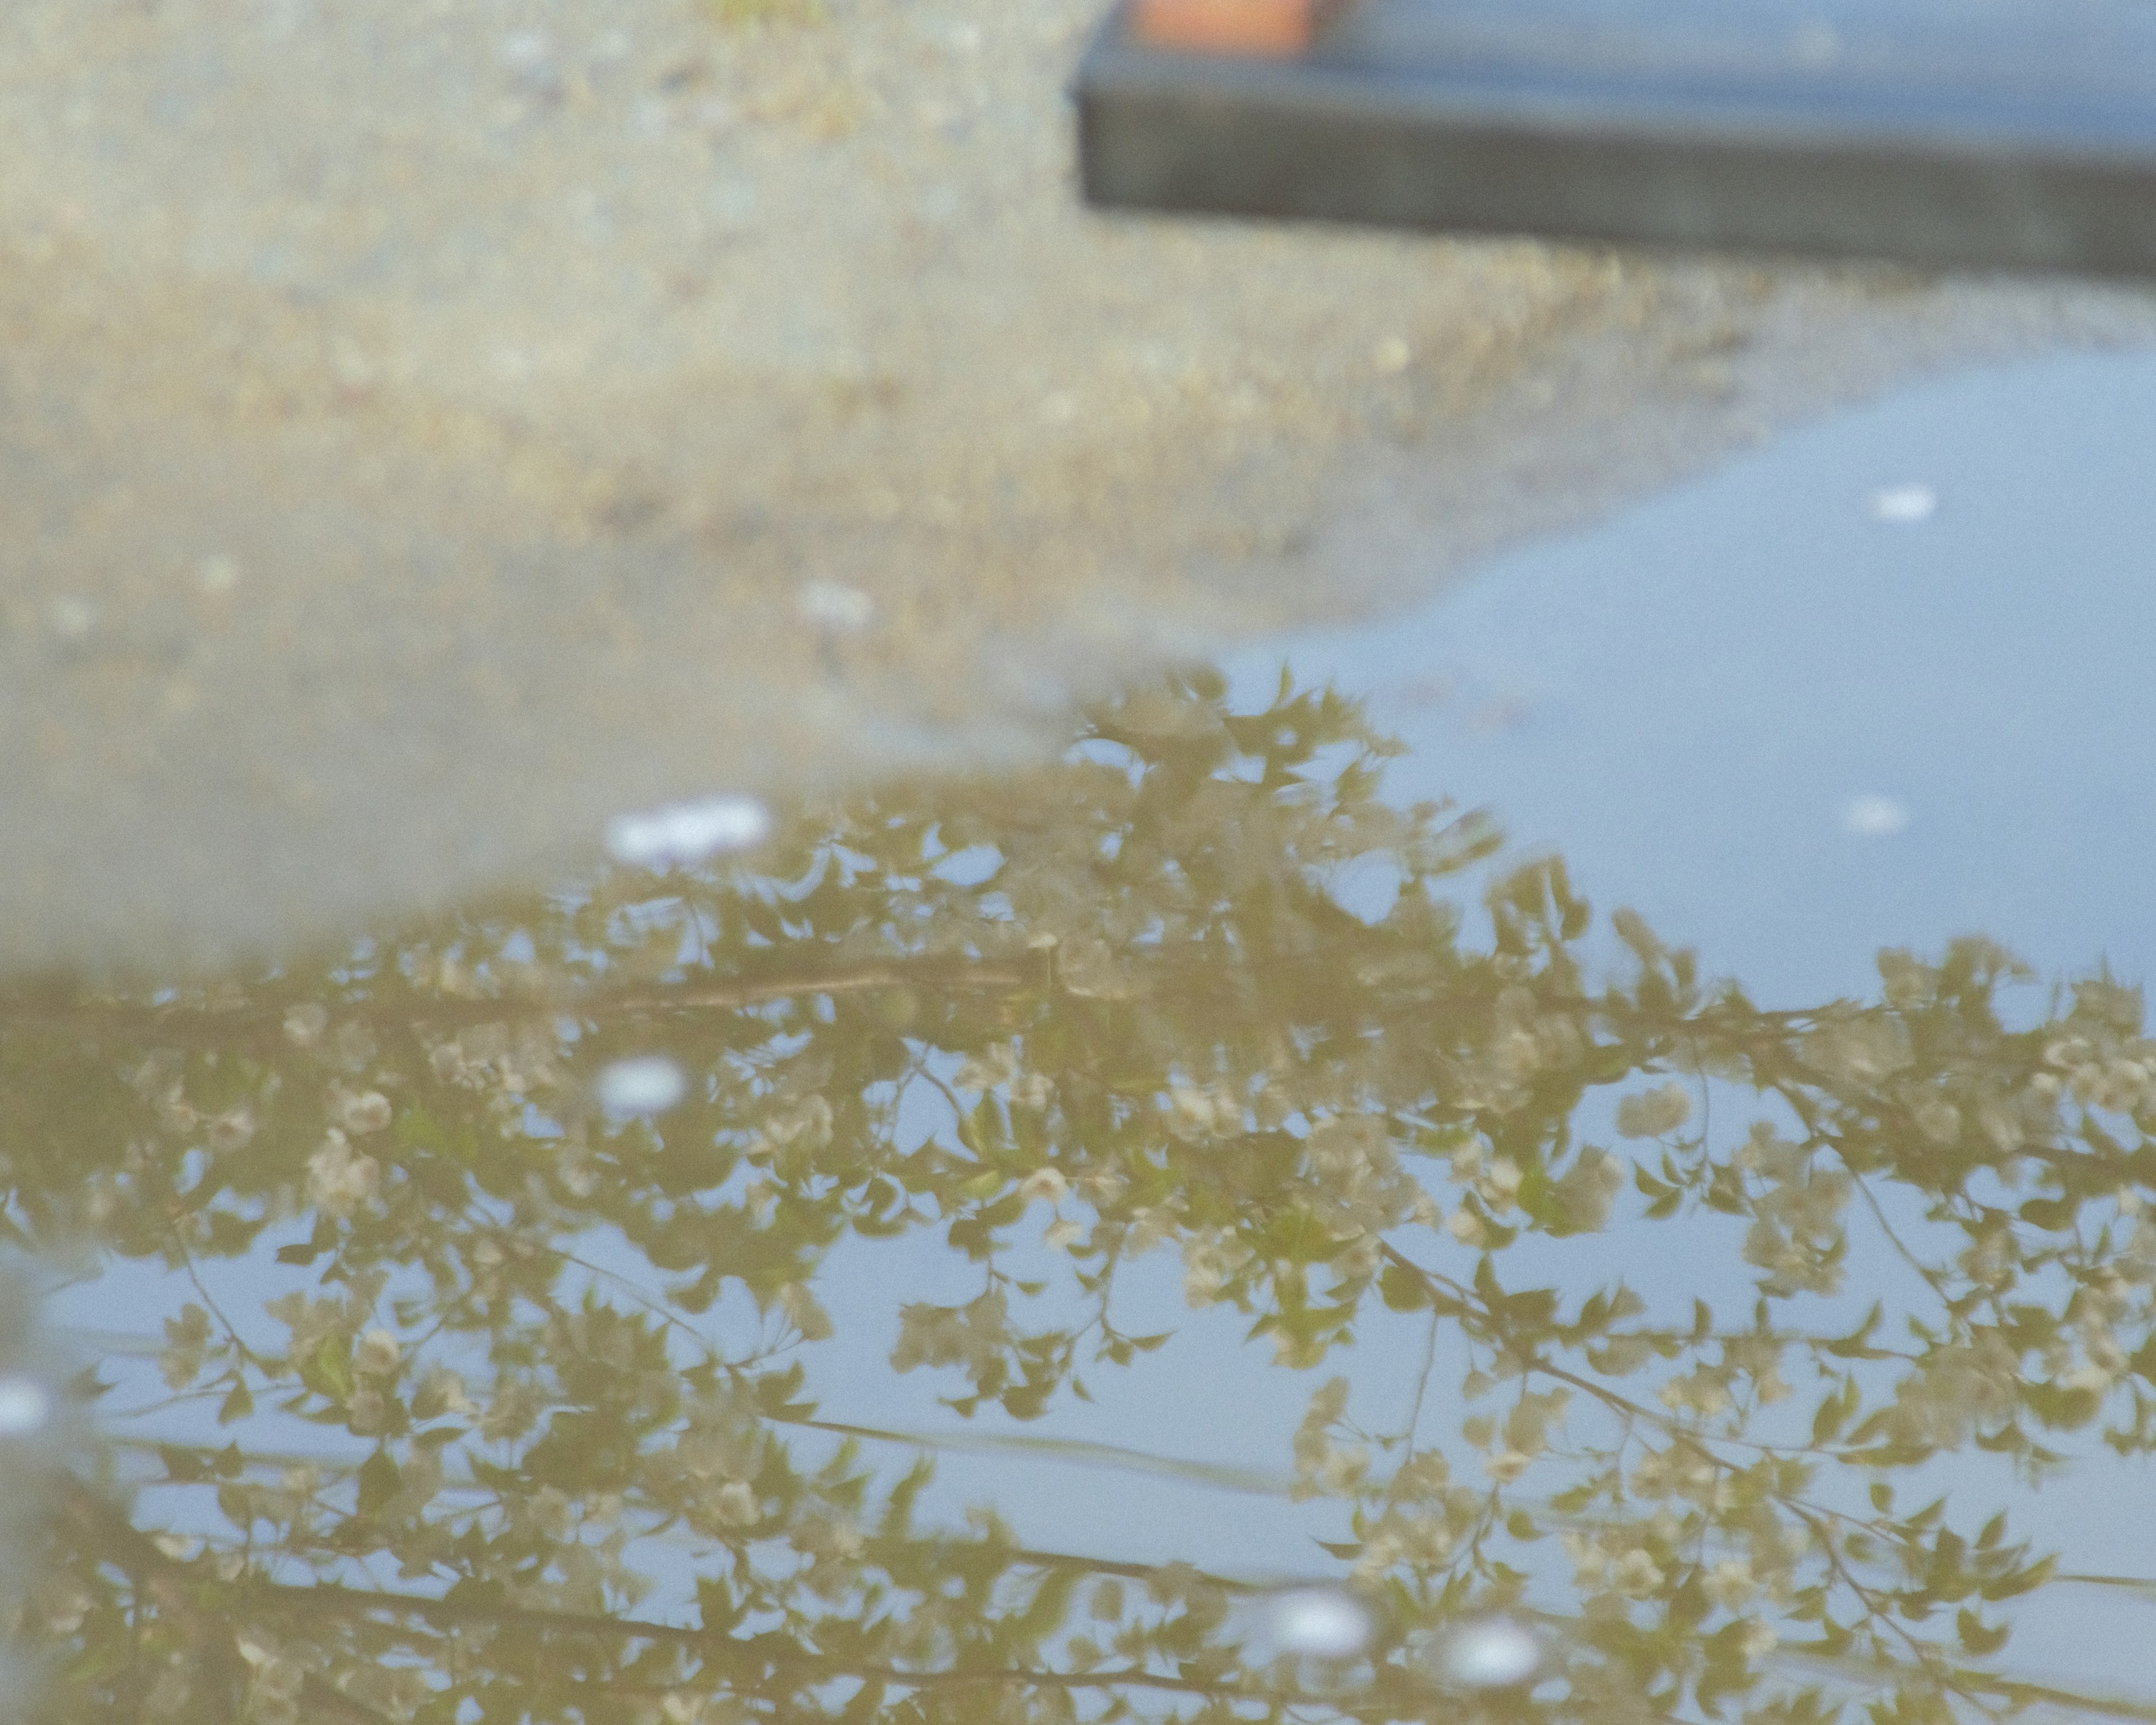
526	1430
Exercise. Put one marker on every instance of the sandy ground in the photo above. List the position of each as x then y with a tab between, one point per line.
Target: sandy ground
427	429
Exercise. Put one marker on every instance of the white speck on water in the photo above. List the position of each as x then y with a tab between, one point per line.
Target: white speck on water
731	204
26	1405
1319	1623
1817	43
1904	506
217	574
71	619
523	50
1874	817
1500	713
350	366
1493	1653
834	605
1391	355
647	1084
684	834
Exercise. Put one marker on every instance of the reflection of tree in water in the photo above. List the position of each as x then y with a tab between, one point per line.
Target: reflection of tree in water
538	1488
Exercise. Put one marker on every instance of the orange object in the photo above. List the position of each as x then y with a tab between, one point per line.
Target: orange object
1277	28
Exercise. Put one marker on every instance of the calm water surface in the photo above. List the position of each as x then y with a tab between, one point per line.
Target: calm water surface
1211	1227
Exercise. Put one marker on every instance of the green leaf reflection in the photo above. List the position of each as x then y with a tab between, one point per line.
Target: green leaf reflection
518	1419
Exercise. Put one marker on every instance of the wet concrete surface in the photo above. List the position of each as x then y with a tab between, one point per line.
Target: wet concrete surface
424	436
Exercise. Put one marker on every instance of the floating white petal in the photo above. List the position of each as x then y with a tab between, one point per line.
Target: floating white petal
648	1084
71	619
1318	1623
217	574
26	1406
1873	817
834	605
1905	505
683	834
1493	1653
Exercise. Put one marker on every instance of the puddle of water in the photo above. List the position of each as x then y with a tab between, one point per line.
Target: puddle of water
1803	724
889	1269
1191	1225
